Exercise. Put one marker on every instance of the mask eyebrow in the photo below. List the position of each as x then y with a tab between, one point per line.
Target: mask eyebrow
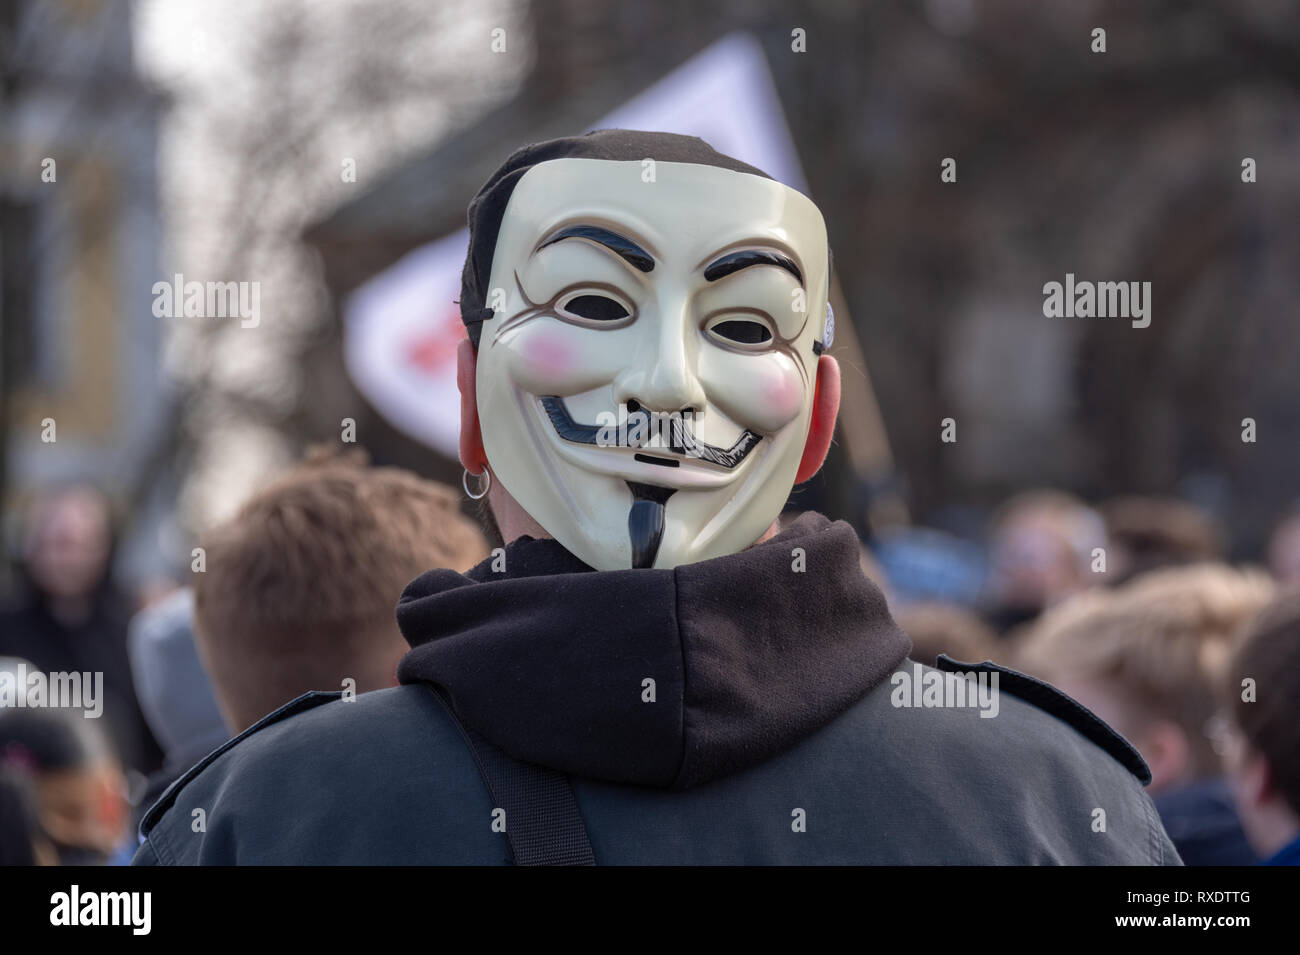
620	245
744	258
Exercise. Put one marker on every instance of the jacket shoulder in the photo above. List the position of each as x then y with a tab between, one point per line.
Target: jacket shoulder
1065	787
308	701
383	776
1049	699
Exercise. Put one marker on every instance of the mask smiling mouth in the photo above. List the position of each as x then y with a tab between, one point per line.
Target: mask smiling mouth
678	439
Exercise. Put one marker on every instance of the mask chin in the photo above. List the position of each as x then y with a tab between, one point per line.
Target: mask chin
614	524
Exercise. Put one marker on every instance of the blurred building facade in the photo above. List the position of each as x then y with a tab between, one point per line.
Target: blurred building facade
79	246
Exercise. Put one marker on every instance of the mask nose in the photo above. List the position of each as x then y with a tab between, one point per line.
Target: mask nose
663	379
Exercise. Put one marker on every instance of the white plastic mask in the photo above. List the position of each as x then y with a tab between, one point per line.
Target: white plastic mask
646	381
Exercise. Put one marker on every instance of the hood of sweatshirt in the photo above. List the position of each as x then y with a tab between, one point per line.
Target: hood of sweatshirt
664	678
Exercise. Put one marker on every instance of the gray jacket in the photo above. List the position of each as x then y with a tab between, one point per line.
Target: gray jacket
388	779
745	709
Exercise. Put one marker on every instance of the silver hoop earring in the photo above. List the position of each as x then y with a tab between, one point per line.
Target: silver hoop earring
485	478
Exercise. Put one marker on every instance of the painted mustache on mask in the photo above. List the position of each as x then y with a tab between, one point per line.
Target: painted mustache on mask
678	436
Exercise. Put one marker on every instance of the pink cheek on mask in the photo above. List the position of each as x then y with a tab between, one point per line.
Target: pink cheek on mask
545	359
782	396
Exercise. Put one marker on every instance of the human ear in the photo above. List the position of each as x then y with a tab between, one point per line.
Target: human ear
821	429
472	455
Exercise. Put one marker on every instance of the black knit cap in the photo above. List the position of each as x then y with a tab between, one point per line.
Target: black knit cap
489	206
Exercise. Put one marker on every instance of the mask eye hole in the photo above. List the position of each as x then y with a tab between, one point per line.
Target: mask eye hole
593	307
746	332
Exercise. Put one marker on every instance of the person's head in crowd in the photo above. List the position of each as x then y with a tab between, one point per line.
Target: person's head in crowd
1040	552
929	565
300	585
79	789
1147	533
1147	658
1262	751
937	628
175	693
22	840
1284	552
66	547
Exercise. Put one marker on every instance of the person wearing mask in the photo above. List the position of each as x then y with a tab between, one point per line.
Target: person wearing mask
650	670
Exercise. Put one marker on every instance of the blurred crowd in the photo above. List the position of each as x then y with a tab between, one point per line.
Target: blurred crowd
1129	606
295	593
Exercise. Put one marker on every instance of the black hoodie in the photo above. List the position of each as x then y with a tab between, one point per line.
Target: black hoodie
749	654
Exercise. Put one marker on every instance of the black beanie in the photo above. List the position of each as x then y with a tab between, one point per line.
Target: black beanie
489	205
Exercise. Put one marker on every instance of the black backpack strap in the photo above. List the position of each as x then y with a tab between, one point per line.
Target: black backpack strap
543	823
